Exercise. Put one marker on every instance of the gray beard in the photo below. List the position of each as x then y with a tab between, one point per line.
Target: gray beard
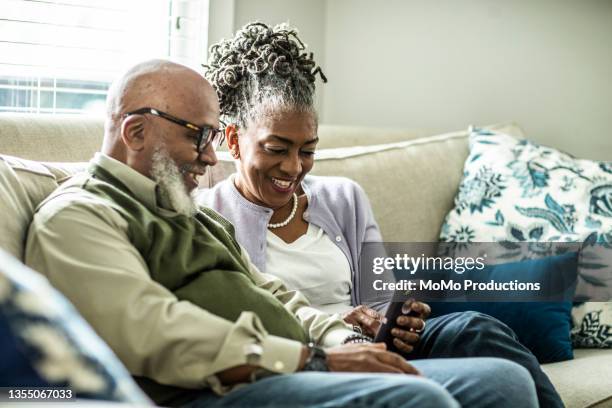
171	187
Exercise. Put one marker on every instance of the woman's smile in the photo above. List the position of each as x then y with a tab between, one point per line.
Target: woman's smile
283	185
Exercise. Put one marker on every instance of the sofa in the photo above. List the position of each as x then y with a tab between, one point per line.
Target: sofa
411	178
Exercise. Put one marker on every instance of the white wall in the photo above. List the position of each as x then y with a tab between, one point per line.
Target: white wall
307	15
444	64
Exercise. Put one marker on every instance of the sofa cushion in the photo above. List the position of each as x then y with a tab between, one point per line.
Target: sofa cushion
585	380
58	138
335	136
23	185
396	176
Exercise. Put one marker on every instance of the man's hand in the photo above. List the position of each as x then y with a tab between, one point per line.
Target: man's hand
367	358
408	335
234	375
357	357
368	319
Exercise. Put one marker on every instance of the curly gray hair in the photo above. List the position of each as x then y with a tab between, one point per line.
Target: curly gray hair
262	71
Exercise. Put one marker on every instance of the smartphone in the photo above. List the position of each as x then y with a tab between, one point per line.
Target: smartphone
384	335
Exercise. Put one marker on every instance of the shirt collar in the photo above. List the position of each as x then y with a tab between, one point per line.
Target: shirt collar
143	188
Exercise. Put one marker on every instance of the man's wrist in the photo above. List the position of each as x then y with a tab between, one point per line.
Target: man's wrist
316	359
303	357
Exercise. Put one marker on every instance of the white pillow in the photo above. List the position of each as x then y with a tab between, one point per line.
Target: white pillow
519	191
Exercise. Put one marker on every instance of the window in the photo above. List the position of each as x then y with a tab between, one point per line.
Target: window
60	56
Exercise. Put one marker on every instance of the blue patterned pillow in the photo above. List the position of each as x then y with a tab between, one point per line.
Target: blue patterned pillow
516	191
46	343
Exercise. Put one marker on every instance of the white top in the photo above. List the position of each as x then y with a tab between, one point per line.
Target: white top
314	265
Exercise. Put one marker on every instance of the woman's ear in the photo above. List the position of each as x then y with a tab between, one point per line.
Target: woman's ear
132	132
231	138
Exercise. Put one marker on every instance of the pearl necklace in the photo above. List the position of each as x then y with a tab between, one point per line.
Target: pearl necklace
288	220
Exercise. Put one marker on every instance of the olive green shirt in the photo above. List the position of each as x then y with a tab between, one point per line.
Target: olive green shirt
85	247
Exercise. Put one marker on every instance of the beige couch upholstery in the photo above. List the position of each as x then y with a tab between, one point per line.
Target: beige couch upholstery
411	180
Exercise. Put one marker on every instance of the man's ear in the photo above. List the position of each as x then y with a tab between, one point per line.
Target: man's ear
231	138
133	132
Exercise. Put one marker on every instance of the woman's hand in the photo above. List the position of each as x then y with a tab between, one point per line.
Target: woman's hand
369	320
407	335
367	357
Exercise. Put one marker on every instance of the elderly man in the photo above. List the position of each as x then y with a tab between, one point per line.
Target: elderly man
174	295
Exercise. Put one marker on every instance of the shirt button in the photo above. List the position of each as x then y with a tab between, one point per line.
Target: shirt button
338	238
279	366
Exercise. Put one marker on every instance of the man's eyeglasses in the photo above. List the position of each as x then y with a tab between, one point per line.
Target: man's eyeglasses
206	134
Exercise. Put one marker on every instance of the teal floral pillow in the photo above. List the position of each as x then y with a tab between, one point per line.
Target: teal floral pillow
518	191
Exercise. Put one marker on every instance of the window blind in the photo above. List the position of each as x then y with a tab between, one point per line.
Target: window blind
59	56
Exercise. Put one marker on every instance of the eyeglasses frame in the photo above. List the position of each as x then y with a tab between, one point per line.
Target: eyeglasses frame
212	132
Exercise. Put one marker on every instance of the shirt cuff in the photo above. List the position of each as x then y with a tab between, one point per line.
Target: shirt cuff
336	337
280	355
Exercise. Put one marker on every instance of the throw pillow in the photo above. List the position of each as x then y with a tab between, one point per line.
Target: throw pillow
592	325
516	191
51	344
542	327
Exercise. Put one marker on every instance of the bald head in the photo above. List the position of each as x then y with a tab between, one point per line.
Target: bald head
162	85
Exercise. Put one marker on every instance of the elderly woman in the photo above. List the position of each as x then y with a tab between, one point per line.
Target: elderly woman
309	230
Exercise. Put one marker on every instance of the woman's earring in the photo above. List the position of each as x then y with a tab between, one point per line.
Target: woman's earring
235	154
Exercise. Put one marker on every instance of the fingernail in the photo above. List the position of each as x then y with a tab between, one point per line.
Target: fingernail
407	307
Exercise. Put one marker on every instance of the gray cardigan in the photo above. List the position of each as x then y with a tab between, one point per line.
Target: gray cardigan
337	205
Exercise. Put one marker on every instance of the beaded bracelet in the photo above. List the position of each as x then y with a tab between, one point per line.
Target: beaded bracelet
357	338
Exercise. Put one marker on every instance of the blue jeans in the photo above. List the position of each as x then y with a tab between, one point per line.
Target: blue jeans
449	377
476	382
473	334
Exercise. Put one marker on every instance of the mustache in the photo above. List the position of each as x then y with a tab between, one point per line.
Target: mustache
192	168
